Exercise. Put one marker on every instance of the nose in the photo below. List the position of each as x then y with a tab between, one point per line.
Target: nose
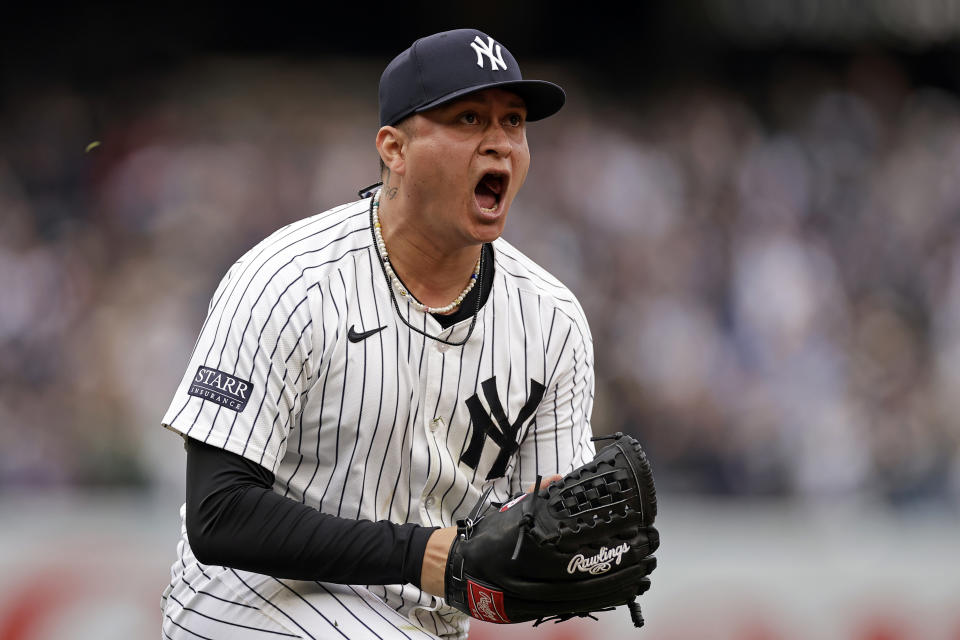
496	142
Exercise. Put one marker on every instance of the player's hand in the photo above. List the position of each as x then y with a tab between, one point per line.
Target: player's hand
432	575
546	482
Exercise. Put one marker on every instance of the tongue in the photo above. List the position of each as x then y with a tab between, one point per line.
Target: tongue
486	198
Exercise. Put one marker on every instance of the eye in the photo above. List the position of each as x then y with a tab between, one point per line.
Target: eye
469	118
515	119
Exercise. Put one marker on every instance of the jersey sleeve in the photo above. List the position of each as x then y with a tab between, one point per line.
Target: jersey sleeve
250	367
558	439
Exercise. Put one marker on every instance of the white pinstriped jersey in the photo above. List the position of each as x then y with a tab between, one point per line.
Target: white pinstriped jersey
394	426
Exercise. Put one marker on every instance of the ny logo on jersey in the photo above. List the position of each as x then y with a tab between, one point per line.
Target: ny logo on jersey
506	436
486	49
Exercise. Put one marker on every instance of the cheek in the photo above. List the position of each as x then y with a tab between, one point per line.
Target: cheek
435	170
449	165
520	168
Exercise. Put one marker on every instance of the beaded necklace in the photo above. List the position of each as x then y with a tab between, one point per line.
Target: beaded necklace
392	277
395	281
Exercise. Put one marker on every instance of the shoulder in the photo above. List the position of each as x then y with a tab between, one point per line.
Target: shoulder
318	238
308	248
279	270
529	278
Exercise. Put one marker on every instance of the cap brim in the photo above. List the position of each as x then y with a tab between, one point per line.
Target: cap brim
542	98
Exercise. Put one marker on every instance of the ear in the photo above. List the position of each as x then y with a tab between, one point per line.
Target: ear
391	145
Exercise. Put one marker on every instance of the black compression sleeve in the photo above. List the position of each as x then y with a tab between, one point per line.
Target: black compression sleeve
235	519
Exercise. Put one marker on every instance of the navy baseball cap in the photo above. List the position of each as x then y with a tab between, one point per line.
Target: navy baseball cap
445	66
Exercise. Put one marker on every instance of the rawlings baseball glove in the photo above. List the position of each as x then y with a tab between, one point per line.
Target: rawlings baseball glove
579	546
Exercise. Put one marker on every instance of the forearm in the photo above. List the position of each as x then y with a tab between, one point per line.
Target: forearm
235	519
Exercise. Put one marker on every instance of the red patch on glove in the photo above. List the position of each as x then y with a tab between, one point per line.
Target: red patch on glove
486	604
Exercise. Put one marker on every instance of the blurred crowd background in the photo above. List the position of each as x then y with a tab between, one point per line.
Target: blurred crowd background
768	253
757	203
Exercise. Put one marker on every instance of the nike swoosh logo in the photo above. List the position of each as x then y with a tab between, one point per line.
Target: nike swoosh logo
353	336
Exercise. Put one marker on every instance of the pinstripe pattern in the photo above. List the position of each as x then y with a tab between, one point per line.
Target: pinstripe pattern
374	429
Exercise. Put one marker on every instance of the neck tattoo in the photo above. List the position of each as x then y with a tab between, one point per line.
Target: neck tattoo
395	281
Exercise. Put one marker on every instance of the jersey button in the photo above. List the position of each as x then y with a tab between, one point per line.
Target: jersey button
441	347
429	502
435	424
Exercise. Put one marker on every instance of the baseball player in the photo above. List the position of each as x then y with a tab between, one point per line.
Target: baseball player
365	374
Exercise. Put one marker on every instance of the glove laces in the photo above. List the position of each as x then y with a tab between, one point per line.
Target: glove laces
526	522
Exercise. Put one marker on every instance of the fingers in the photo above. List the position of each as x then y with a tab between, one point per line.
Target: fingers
649	564
653	538
643	586
545	482
646	541
550	480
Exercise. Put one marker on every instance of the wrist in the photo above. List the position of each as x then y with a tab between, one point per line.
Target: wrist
433	574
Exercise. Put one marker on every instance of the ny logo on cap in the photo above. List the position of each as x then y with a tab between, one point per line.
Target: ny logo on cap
486	49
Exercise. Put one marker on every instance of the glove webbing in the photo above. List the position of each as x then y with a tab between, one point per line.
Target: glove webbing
635	614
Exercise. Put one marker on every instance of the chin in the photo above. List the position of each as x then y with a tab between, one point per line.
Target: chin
488	237
490	230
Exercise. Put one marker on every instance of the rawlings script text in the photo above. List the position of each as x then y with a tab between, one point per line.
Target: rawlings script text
485	608
600	563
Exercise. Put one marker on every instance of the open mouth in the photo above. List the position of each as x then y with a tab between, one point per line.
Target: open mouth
488	190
